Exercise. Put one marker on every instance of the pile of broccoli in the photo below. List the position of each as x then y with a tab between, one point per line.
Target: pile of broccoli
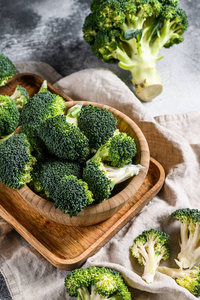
95	283
152	246
132	33
71	157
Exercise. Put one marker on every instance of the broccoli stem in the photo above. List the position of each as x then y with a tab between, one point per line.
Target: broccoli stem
174	273
142	66
151	263
85	295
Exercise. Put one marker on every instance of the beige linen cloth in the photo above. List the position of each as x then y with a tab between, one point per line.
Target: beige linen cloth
173	140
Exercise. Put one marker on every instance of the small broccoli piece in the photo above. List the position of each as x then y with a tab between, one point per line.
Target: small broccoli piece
189	255
102	179
43	105
39	149
95	283
71	195
149	249
73	114
64	139
98	124
133	33
9	117
47	174
20	97
118	150
188	279
7	69
44	87
16	161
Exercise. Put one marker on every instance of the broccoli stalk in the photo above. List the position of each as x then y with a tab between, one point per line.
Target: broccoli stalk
190	237
20	97
150	248
73	114
101	179
132	33
188	279
95	283
44	87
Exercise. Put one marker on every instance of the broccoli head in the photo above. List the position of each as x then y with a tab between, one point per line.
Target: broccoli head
71	195
132	33
47	174
16	161
189	219
95	283
118	150
101	178
64	139
188	279
20	97
149	249
7	69
9	117
41	106
98	124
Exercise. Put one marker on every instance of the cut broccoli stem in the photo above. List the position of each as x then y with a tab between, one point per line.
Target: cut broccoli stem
44	87
73	114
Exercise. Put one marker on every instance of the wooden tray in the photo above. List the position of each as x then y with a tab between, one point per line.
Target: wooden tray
68	247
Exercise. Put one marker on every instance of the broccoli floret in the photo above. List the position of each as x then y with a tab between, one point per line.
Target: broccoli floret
98	124
43	105
9	117
189	237
46	175
132	33
188	279
118	150
95	283
101	178
64	139
16	161
20	97
71	195
7	69
149	249
39	149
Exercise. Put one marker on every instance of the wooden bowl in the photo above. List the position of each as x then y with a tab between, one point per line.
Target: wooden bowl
121	194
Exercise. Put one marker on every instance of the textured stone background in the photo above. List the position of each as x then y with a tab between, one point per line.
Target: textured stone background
51	31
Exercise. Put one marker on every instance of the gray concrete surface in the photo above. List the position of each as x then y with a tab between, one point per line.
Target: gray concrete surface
51	31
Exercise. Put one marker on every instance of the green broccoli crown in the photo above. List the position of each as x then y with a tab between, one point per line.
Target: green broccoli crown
132	33
7	69
97	180
149	249
118	150
187	215
47	174
98	124
71	195
42	106
20	97
64	139
9	116
16	161
191	281
96	283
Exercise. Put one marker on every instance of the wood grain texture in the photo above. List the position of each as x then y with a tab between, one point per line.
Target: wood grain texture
67	247
121	194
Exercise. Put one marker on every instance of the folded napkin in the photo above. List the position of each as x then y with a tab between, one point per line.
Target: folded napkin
174	141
